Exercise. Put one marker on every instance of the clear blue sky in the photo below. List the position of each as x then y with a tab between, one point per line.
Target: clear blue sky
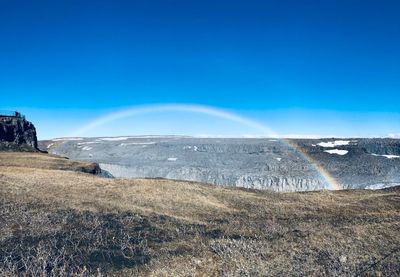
300	67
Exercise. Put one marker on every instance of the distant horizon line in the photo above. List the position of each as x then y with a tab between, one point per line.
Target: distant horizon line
224	137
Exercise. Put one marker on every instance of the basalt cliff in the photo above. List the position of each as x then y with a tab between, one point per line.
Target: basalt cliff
17	134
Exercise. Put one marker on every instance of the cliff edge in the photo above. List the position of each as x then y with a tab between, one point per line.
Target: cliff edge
16	133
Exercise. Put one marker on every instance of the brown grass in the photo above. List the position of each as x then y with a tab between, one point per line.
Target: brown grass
67	222
45	161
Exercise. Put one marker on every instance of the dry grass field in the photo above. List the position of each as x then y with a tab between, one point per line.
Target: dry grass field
45	161
55	221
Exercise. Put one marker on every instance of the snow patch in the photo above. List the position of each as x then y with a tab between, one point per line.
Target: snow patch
189	147
138	143
114	138
88	142
386	156
50	145
172	159
87	148
65	139
337	152
382	186
334	143
391	156
278	159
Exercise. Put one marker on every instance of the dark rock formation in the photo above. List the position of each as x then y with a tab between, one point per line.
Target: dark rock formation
17	134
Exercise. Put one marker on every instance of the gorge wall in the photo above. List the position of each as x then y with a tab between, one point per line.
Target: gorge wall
270	164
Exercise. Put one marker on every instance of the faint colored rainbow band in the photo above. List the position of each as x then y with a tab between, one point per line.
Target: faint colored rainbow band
220	113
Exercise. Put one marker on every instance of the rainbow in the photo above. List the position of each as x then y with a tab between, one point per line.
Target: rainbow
325	174
220	113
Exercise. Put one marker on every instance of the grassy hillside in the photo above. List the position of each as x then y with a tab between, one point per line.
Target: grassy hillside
59	222
45	161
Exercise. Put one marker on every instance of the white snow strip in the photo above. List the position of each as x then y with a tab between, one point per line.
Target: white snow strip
391	156
87	148
138	143
278	159
386	156
195	148
114	138
88	142
382	186
50	145
337	152
334	143
172	159
64	139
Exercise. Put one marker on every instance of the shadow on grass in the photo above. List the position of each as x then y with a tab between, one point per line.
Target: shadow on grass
68	241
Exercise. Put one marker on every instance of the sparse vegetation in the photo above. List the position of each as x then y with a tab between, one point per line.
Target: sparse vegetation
59	223
46	161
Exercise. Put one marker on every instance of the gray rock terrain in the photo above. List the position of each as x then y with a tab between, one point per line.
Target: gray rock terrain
17	134
270	164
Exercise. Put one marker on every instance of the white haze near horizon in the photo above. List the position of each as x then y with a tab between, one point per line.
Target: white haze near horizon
287	123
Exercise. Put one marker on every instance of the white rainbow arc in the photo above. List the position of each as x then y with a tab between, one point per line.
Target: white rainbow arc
265	131
220	113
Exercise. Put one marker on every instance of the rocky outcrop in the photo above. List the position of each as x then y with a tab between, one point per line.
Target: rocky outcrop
17	134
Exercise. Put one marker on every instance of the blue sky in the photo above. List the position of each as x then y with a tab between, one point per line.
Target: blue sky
300	67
